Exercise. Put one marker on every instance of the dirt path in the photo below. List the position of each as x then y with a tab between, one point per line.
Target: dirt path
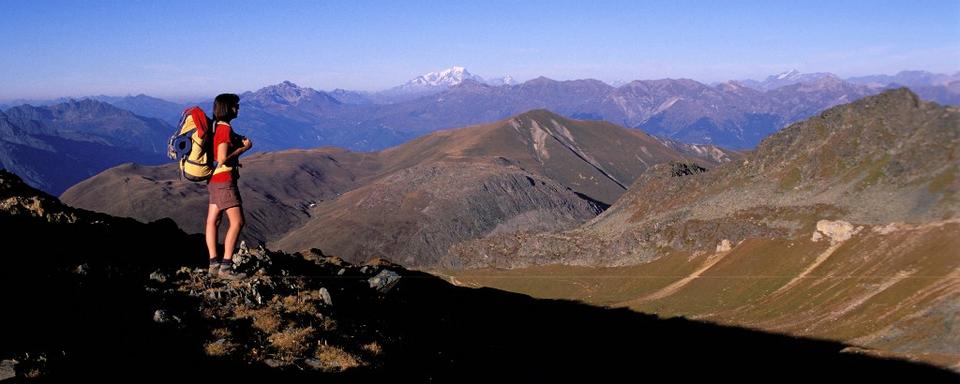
673	288
823	256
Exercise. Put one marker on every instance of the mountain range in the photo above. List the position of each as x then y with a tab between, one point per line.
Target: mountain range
54	147
883	159
423	85
534	171
843	226
285	115
731	114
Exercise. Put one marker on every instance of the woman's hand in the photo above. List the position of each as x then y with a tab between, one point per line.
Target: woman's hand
247	144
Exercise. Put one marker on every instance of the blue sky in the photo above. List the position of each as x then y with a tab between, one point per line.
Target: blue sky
183	49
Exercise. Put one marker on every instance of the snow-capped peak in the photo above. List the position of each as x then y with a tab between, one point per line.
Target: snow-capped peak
788	75
446	78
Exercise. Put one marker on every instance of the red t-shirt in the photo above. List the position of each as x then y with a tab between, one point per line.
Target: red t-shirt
225	172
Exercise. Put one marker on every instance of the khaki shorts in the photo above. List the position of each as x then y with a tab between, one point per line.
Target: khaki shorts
224	195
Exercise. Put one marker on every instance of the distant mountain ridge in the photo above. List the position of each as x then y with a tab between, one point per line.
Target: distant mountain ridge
786	78
432	83
731	114
55	146
912	79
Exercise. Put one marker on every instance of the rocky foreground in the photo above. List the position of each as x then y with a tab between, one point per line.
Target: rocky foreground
90	296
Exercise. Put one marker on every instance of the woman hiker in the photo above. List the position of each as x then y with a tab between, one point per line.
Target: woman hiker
224	195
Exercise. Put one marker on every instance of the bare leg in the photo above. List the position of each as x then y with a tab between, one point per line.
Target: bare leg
235	215
213	223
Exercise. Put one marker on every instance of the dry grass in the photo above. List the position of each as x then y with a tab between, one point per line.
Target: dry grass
292	341
221	333
300	304
335	359
328	324
220	348
373	348
264	319
891	292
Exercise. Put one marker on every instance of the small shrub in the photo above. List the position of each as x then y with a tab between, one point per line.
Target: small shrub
220	348
335	359
292	341
264	319
373	348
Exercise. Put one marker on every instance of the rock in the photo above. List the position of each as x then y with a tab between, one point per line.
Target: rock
816	237
158	276
161	316
252	260
325	296
724	246
8	369
684	169
82	269
183	273
315	364
257	291
837	231
260	291
273	363
384	281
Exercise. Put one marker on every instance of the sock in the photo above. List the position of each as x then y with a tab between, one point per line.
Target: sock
214	261
228	263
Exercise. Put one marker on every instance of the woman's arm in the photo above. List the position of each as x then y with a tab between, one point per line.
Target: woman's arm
222	150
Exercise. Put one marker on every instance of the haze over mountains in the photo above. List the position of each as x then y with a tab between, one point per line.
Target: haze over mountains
56	146
284	116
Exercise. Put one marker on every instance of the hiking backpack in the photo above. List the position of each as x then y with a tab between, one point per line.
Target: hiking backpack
192	145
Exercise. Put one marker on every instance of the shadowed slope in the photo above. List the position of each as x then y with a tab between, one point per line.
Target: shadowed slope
83	300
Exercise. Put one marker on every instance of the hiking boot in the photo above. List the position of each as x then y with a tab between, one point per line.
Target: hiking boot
227	272
214	268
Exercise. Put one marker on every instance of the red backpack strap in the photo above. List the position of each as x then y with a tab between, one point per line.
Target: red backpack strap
200	119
